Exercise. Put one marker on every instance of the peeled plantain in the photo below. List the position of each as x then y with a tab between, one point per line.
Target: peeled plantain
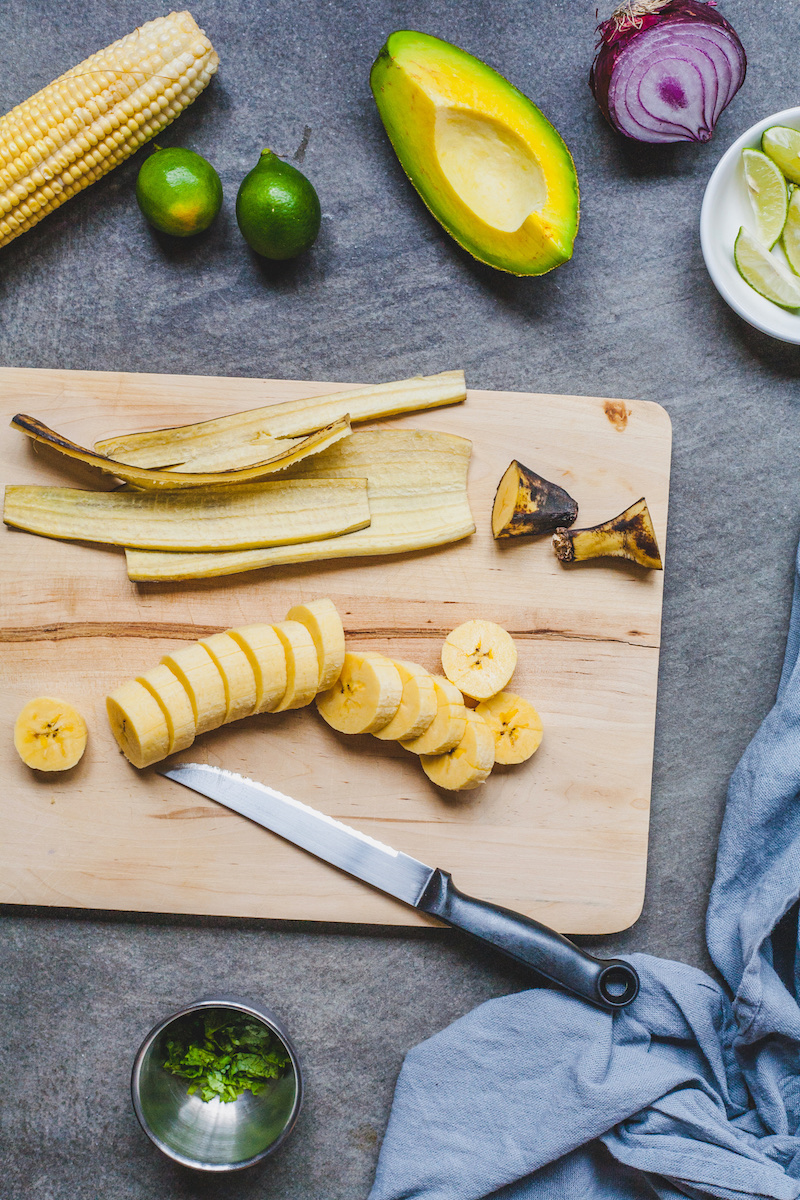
630	535
526	504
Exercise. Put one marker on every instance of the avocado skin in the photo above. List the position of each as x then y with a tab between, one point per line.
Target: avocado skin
383	53
400	113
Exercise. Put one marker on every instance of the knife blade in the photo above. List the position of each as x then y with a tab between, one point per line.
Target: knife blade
608	983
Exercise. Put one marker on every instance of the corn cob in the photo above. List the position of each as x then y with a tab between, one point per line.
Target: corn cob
92	118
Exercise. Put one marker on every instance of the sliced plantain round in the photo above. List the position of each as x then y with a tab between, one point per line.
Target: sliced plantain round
138	723
267	657
323	622
50	735
200	676
418	704
516	725
479	657
302	665
173	699
238	676
366	695
468	764
447	728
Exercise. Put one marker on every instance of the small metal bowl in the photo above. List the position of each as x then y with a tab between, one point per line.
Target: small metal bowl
210	1135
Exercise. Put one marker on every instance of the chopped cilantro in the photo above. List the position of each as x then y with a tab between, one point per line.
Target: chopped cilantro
224	1056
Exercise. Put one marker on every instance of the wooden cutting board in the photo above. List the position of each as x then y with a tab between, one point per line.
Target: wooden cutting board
562	837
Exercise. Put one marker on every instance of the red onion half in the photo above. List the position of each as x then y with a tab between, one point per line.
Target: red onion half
665	69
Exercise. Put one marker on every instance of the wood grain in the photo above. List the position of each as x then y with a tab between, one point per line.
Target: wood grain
562	838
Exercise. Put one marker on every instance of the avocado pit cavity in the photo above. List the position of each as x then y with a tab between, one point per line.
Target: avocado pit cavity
489	167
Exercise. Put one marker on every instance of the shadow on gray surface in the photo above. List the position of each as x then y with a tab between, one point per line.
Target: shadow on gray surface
781	359
642	160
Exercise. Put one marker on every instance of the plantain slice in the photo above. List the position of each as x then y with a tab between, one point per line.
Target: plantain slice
417	488
418	704
302	665
238	676
201	678
50	735
267	657
366	695
173	700
479	657
166	447
448	726
469	763
516	725
321	619
143	477
250	514
138	723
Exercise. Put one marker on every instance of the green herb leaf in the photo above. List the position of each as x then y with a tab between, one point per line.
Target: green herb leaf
226	1056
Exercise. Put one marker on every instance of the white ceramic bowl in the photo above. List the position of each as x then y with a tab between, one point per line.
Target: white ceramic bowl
726	207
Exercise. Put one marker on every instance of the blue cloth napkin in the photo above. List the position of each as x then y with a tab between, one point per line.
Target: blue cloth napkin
694	1090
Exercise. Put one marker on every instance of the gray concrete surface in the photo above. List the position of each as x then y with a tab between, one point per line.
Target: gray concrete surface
384	294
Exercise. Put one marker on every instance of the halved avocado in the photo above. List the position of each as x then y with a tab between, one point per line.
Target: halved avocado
488	164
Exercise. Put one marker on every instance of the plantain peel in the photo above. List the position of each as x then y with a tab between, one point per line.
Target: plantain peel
526	504
151	478
417	492
630	535
288	419
246	516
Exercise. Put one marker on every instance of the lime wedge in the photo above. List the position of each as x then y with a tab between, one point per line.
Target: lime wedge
767	274
782	145
791	232
769	195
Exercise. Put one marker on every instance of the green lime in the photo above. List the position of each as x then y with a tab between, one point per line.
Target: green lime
767	274
277	209
782	145
178	191
769	195
791	232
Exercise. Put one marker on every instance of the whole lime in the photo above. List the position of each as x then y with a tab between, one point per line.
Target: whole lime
277	209
178	191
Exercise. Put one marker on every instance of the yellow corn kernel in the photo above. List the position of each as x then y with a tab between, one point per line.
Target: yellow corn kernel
87	121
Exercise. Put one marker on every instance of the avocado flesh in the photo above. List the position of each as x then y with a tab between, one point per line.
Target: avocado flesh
487	163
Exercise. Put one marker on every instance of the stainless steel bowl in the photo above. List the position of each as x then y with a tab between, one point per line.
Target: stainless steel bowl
210	1135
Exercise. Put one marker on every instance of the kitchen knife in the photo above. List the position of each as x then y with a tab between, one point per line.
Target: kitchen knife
609	983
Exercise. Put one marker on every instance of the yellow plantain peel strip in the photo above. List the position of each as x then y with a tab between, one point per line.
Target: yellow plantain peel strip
291	418
236	518
417	498
143	477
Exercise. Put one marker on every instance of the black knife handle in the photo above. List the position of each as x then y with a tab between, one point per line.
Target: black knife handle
609	982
